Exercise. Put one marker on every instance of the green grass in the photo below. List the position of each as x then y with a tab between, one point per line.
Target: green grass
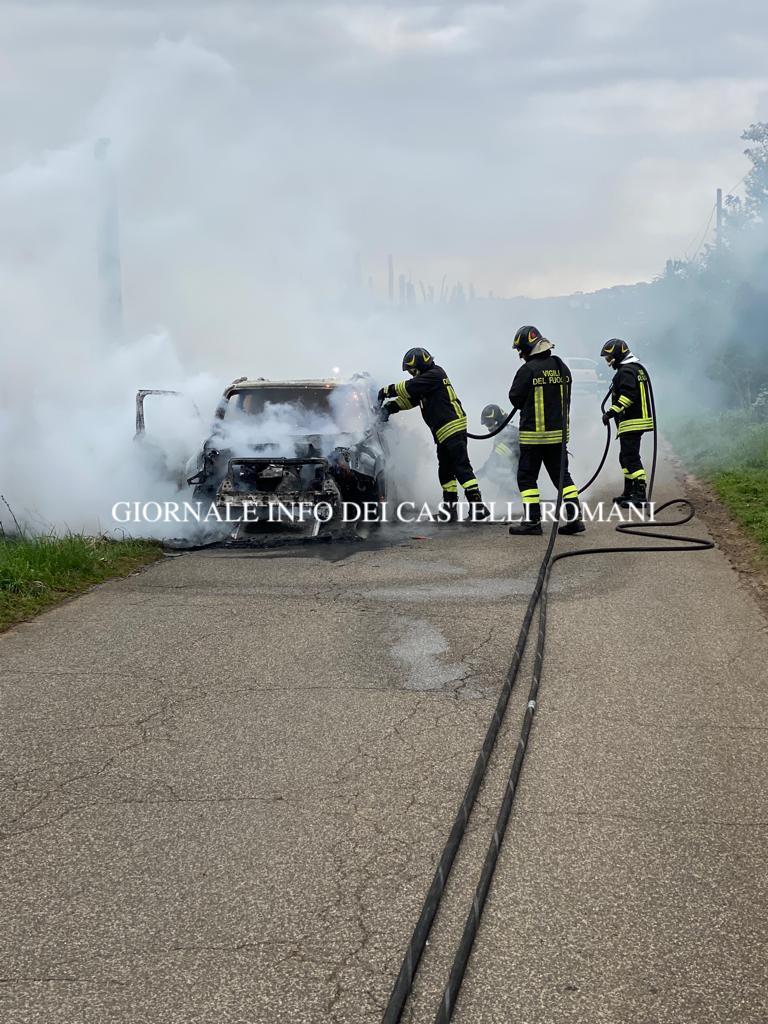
745	493
36	572
730	451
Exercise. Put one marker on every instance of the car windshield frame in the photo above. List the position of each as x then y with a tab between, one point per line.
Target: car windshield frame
349	417
281	394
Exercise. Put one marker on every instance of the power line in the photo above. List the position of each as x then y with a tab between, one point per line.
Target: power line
729	192
704	235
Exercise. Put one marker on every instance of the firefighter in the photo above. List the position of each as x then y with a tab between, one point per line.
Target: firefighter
430	388
632	410
541	391
502	463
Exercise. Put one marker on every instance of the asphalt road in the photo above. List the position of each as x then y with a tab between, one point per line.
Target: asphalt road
226	781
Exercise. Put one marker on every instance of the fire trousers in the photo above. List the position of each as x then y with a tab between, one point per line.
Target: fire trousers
531	458
629	455
454	467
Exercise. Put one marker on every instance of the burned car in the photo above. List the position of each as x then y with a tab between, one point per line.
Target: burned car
281	451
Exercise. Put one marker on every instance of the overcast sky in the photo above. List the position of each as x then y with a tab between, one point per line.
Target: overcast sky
534	147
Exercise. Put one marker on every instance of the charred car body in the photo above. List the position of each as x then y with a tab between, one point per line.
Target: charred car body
279	450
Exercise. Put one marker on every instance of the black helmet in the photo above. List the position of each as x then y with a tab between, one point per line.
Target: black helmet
614	350
492	416
526	340
417	360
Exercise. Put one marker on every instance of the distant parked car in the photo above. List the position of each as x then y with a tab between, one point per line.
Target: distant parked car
587	375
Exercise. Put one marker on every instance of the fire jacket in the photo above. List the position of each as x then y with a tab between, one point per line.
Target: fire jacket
506	447
433	393
631	403
540	390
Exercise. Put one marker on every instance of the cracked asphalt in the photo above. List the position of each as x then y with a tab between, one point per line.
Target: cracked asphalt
225	782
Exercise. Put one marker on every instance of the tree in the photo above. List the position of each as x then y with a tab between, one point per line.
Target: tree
736	218
756	181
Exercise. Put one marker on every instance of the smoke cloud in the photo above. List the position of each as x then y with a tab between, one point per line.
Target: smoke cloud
220	239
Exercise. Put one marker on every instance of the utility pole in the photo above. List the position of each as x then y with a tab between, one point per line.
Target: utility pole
110	278
719	220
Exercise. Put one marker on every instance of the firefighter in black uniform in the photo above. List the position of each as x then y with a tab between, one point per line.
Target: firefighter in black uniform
541	391
430	388
501	464
632	410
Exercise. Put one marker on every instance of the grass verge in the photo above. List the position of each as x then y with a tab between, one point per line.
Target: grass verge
745	494
730	452
36	572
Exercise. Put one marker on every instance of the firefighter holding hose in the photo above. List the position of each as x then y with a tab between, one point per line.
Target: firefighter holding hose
541	391
430	389
501	465
632	410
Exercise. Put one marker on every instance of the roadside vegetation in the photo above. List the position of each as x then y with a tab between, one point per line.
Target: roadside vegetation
38	571
730	452
721	328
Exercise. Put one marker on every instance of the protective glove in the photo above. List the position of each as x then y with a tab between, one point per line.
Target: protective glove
382	395
607	417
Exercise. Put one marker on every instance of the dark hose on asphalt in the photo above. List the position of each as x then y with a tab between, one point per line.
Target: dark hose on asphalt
461	958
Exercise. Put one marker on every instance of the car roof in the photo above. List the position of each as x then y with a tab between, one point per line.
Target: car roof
259	382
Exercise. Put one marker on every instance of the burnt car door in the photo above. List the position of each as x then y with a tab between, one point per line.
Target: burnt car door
166	445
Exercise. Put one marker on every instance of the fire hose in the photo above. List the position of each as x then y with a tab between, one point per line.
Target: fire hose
539	598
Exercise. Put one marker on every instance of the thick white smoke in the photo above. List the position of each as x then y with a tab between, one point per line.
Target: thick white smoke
232	264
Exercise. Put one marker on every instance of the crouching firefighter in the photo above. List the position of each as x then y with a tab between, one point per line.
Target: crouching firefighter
632	410
430	388
501	465
541	391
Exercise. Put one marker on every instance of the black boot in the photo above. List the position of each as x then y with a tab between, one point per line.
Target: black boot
627	491
638	496
573	519
477	508
451	506
530	524
524	528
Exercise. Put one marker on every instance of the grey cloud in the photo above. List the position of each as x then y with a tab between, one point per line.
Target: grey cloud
449	132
